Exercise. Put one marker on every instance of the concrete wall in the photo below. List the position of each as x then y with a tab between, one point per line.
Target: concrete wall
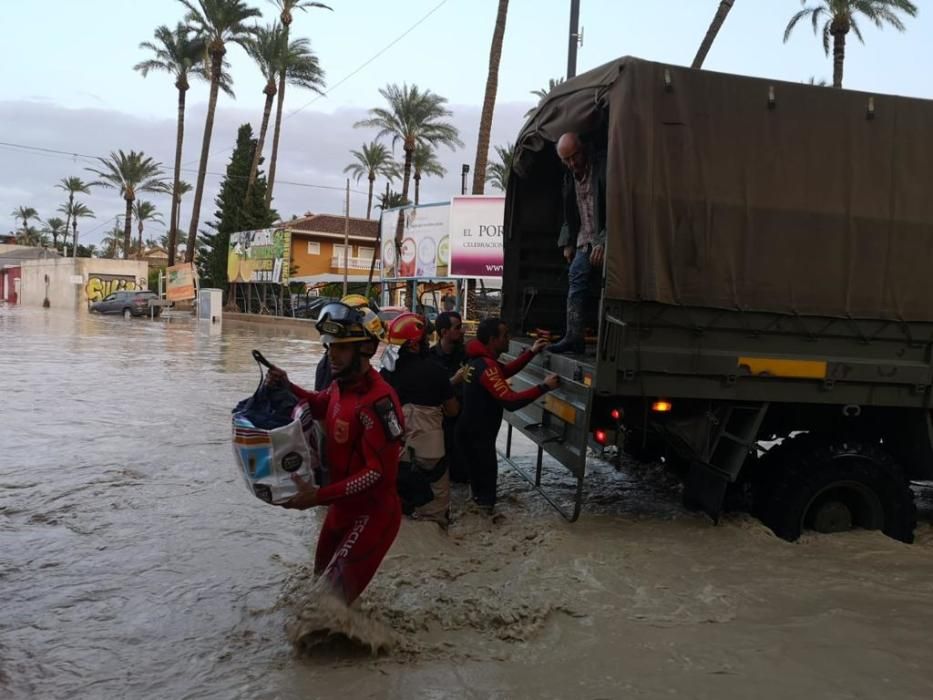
10	247
74	282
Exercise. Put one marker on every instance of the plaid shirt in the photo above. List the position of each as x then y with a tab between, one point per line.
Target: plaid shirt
584	191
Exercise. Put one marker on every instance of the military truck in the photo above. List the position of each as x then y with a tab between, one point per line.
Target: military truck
764	322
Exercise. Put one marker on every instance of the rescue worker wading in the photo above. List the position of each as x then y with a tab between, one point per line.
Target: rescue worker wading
485	394
364	428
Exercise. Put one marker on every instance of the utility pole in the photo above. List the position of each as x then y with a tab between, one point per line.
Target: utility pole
574	38
346	239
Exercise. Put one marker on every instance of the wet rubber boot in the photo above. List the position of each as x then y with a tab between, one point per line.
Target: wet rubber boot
573	340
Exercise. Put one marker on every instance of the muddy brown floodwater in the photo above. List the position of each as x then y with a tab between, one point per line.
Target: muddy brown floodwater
134	564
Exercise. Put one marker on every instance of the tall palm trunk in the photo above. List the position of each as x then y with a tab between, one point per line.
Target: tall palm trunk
71	203
139	245
839	55
217	58
406	171
286	19
128	225
182	85
270	91
417	179
278	128
724	7
369	200
406	177
489	102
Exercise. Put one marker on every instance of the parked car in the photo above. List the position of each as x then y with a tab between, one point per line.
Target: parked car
387	313
310	307
429	311
128	303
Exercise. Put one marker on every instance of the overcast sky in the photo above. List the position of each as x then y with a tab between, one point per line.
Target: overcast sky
68	82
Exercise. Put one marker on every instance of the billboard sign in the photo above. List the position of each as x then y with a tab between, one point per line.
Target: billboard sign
259	256
476	224
425	248
459	239
179	285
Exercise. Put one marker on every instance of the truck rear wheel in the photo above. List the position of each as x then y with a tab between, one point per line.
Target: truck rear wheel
643	447
834	486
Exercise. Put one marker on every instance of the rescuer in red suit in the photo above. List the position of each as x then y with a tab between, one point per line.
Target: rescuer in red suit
485	394
363	427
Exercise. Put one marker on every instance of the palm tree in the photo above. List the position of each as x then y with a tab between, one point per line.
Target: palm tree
840	18
130	173
265	48
412	117
25	214
216	22
301	68
73	186
113	241
718	19
181	55
391	200
372	160
489	102
145	211
55	227
304	54
425	162
498	175
75	211
29	235
542	93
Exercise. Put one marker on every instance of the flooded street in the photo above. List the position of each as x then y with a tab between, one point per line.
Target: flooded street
133	562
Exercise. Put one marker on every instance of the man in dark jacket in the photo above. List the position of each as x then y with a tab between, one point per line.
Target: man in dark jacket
485	394
448	352
583	235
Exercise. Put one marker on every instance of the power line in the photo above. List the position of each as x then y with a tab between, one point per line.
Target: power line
370	60
94	159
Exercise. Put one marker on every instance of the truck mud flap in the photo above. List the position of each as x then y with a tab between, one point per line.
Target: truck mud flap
705	489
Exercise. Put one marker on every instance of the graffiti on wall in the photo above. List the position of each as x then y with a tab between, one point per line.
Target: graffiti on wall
99	286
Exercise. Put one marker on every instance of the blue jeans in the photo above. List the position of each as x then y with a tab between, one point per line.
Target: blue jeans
580	271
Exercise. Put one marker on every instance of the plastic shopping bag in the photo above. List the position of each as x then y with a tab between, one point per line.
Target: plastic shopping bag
273	439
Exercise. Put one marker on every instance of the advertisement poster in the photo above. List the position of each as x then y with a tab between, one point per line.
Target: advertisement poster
259	256
387	238
476	224
179	285
425	249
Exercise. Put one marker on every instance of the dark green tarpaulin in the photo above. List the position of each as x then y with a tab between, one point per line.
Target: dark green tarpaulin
818	201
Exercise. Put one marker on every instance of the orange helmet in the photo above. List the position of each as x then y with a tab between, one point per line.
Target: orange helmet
407	327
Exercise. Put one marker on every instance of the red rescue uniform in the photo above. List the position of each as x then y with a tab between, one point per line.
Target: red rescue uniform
363	423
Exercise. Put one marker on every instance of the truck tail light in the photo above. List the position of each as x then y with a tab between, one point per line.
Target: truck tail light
616	414
661	406
600	436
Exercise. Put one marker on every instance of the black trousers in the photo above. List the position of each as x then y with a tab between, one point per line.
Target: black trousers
479	453
457	466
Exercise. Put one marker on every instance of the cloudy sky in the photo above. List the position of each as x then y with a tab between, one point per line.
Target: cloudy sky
68	83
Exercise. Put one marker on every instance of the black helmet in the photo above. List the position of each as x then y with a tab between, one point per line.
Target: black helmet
340	323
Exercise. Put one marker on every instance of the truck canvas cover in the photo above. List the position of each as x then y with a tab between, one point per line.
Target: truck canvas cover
742	193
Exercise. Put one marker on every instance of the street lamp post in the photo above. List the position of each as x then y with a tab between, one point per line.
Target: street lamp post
463	178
